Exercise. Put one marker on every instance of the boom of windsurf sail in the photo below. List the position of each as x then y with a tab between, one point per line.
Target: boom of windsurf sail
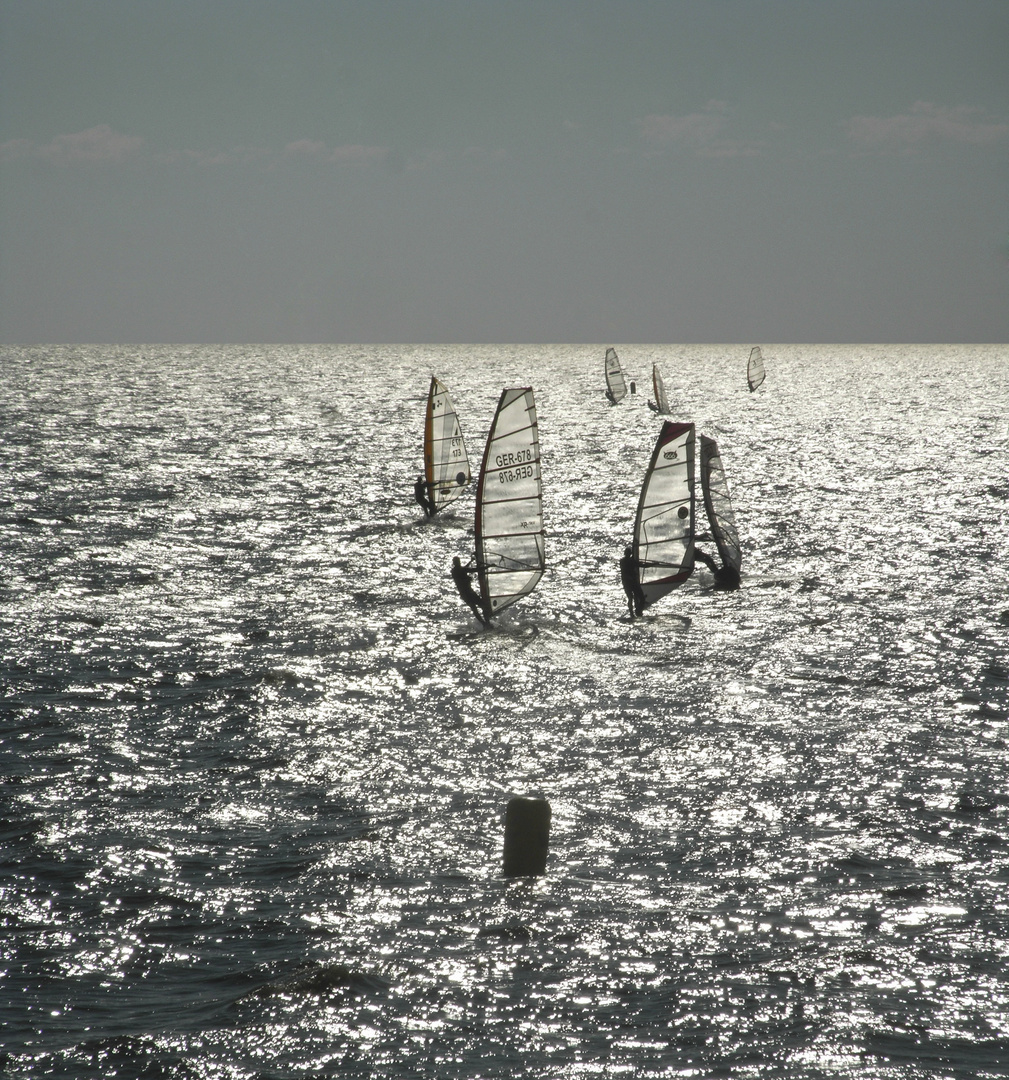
509	505
661	404
616	388
664	527
718	504
446	466
755	368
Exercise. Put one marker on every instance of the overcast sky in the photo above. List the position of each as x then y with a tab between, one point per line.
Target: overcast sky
504	170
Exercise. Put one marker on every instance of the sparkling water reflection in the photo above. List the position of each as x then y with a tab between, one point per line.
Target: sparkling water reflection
255	754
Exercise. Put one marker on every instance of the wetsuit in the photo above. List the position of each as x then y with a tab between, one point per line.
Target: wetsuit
460	575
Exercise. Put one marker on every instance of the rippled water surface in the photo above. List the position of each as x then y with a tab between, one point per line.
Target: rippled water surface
254	753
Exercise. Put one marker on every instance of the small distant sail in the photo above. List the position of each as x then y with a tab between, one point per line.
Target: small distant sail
718	504
660	405
446	466
616	388
509	509
664	527
755	368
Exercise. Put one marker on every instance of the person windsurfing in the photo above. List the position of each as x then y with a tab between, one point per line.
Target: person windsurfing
726	577
461	575
420	493
631	583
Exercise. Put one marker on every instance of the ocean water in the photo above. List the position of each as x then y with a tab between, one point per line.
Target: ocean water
255	753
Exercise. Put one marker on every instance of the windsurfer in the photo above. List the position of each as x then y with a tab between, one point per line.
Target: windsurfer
421	495
461	575
726	577
610	398
631	583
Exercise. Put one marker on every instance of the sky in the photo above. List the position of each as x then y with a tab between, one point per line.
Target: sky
446	171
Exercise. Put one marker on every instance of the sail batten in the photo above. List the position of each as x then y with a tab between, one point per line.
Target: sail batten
510	556
663	548
446	464
616	386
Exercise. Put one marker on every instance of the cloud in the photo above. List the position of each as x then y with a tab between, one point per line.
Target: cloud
348	154
304	146
102	145
359	155
697	127
924	123
97	145
702	131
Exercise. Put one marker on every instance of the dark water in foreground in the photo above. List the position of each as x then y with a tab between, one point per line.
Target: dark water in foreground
254	756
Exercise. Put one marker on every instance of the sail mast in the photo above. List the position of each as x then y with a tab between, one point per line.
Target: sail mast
446	464
510	555
664	526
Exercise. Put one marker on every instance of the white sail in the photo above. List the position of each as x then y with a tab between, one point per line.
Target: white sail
616	388
446	466
509	512
755	368
664	527
718	504
661	404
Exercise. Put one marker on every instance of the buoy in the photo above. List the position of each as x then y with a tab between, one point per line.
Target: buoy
527	837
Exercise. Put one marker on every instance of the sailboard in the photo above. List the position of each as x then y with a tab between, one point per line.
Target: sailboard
718	504
446	465
616	387
660	405
509	505
755	368
663	546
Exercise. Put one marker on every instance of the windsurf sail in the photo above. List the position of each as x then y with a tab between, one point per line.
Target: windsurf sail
616	388
718	504
661	405
509	505
446	466
664	527
755	368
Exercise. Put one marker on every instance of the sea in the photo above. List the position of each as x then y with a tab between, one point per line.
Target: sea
255	753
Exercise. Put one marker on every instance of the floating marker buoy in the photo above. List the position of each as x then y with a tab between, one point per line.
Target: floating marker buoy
527	837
